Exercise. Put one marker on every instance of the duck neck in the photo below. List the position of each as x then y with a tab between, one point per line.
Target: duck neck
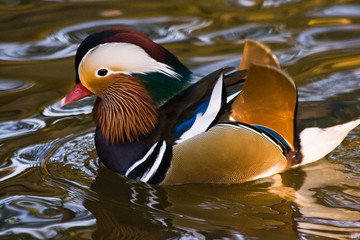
125	112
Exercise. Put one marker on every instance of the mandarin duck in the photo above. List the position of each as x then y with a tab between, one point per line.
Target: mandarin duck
156	122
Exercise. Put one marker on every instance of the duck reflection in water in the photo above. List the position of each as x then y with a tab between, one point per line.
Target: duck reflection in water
125	209
289	204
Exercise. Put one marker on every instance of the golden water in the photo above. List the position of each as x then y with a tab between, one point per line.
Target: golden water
52	185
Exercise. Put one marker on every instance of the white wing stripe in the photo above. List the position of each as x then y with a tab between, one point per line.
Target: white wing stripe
231	97
202	122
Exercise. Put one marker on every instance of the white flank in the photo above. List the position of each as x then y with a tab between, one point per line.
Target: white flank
203	121
143	159
318	142
125	58
155	165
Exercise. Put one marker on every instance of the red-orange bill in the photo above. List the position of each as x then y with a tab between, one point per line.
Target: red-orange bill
77	93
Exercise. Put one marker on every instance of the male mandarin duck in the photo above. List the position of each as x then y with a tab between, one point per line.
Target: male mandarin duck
157	123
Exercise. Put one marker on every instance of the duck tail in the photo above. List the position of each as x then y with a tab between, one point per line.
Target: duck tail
317	142
255	52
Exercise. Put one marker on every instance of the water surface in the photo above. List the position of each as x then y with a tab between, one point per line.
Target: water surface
52	184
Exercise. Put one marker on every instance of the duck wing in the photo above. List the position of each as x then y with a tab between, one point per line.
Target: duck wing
198	107
268	99
255	52
189	113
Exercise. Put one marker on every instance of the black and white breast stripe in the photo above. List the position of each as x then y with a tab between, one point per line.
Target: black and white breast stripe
153	166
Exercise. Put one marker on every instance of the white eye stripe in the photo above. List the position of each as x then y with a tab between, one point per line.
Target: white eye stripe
109	72
131	59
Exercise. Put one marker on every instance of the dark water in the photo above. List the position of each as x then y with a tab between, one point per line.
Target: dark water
52	185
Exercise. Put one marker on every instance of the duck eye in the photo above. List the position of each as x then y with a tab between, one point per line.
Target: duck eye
102	72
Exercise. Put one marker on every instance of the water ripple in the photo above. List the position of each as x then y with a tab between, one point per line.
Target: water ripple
320	39
27	214
27	157
34	154
338	11
336	223
336	198
261	32
74	159
7	85
331	86
349	161
327	228
83	106
63	43
20	127
277	3
64	157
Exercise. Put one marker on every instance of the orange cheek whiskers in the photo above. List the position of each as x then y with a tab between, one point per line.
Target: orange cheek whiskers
125	111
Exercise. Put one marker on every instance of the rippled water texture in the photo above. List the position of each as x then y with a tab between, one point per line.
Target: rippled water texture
52	185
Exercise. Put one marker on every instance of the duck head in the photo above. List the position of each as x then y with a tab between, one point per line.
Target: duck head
131	76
